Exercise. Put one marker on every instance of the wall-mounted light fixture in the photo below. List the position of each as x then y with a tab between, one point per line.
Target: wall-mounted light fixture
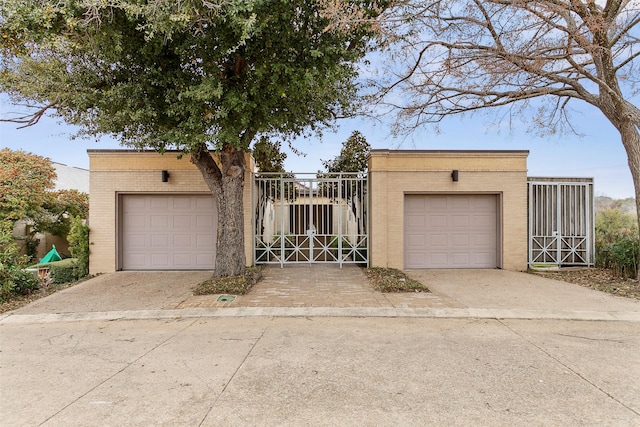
454	175
165	176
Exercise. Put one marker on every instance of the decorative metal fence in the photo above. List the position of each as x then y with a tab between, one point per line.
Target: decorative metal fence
311	218
561	222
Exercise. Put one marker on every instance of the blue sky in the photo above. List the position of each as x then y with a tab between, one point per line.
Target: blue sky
598	153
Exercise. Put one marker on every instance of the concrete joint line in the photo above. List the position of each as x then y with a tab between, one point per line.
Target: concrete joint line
118	372
233	376
569	368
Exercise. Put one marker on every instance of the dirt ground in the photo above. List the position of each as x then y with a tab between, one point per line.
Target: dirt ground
599	279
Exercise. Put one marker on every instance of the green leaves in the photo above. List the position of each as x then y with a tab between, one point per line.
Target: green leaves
166	74
24	181
353	155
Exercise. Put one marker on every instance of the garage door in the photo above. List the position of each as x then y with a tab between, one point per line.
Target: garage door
168	232
450	231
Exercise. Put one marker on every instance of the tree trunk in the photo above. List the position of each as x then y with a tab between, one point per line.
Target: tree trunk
631	142
226	182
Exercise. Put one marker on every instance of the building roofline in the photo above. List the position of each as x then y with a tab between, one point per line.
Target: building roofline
386	150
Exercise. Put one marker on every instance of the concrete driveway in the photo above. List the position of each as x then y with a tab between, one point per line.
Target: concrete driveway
121	291
502	289
327	290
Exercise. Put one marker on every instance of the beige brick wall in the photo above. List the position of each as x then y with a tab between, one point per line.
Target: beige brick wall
396	173
115	172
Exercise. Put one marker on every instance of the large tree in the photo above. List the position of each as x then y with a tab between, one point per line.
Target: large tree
353	155
197	76
26	182
533	58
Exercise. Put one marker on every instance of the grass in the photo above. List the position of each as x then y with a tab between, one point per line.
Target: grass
236	285
392	280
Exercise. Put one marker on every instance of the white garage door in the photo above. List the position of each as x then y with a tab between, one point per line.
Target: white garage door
168	232
450	231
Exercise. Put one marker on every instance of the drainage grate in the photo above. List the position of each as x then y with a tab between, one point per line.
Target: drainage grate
226	298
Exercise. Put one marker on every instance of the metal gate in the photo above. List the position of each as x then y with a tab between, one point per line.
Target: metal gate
561	222
311	218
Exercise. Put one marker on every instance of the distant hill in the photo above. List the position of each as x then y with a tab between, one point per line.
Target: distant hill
625	205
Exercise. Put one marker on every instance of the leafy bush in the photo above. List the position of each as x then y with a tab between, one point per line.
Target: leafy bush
620	256
64	271
617	242
79	246
14	280
613	224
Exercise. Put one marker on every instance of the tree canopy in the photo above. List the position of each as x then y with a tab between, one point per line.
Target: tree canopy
25	180
166	74
196	76
353	155
268	155
461	56
26	193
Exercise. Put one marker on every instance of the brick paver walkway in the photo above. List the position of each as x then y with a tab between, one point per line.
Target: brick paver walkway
319	285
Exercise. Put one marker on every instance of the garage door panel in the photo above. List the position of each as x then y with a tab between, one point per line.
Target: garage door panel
484	204
417	258
183	241
460	260
437	240
159	221
168	232
159	240
483	258
205	241
435	203
438	260
182	260
205	203
158	203
415	205
137	221
416	241
460	240
159	260
182	221
204	261
182	204
437	221
136	240
459	221
460	231
484	220
205	221
459	203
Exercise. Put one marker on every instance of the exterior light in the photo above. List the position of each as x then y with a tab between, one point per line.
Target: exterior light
454	175
165	176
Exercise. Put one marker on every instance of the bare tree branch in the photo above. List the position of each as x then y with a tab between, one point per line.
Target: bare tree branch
31	119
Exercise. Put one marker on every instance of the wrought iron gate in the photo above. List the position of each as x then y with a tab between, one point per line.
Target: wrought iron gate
309	218
561	221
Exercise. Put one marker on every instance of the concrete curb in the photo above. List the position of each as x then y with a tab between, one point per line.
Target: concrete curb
448	313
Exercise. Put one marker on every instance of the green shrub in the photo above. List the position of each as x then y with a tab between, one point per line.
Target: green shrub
620	256
64	271
79	246
14	279
613	224
617	242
